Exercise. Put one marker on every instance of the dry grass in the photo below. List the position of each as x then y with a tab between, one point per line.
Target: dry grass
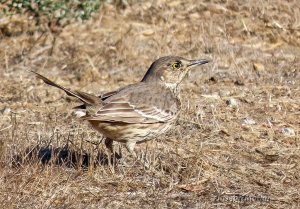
218	153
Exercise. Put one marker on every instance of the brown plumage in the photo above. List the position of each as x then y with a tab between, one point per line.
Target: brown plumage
141	111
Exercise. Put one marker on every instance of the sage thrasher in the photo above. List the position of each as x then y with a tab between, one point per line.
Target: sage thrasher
137	112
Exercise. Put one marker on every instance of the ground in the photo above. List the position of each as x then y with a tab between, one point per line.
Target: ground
236	143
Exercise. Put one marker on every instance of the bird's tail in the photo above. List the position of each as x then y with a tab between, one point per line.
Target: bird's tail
87	99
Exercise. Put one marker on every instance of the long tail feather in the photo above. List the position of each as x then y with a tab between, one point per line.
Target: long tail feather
84	97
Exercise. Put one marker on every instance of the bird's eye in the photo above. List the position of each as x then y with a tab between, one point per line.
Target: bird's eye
176	65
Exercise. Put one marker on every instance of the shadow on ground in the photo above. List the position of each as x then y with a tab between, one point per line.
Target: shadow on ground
62	156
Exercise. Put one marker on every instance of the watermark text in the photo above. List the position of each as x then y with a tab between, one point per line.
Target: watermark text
238	198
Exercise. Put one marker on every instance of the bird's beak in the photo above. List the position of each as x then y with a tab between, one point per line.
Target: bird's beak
198	62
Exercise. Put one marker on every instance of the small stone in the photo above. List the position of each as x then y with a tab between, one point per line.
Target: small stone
239	82
148	32
195	15
258	67
224	93
79	113
249	121
288	132
211	96
233	103
6	111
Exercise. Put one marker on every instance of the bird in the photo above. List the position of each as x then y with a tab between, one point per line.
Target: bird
137	112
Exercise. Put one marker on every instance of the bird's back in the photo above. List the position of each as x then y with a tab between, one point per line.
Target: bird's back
148	94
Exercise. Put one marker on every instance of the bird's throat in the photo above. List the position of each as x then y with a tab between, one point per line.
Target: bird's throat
174	87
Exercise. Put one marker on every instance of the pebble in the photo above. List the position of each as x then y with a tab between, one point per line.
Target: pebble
233	103
211	96
6	111
258	67
288	132
79	113
249	121
224	93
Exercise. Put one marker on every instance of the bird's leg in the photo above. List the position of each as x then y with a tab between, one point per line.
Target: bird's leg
109	143
130	147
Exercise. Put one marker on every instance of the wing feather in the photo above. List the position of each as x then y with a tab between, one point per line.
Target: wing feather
120	110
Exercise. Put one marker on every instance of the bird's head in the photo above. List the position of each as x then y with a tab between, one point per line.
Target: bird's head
171	70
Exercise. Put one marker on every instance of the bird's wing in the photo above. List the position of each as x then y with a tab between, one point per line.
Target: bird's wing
123	111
